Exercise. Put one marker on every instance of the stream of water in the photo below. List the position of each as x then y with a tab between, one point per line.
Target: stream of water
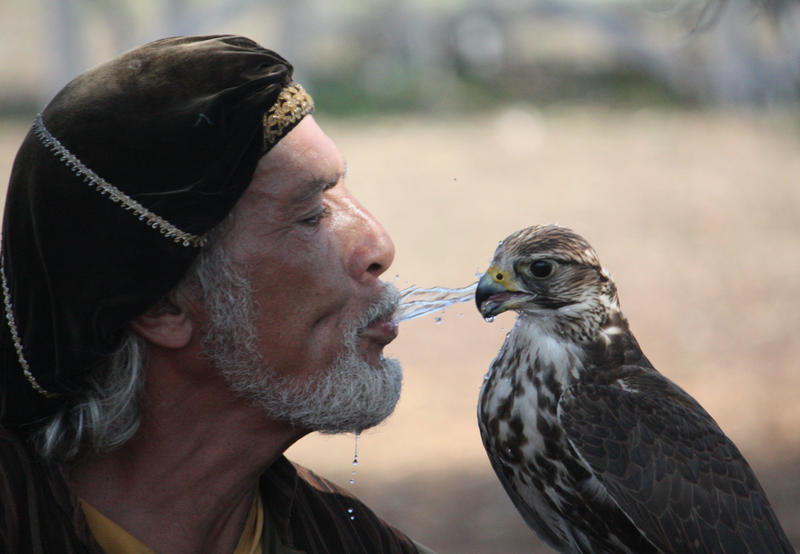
417	302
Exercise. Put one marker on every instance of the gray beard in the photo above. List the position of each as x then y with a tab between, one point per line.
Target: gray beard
349	395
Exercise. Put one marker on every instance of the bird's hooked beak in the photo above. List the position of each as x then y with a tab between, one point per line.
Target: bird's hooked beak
498	291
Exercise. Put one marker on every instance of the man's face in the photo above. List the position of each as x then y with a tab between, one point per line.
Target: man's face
311	256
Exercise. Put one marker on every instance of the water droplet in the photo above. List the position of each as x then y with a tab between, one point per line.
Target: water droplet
489	319
349	510
437	320
352	481
355	454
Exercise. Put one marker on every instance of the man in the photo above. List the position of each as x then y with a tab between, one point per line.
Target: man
189	288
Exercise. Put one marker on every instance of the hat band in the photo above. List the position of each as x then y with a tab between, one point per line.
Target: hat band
105	188
292	105
12	326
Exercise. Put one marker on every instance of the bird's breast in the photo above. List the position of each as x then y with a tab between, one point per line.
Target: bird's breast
518	420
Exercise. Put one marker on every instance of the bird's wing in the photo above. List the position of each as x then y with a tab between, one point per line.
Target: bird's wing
668	465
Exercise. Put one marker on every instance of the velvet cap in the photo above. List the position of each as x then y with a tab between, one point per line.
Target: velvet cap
112	194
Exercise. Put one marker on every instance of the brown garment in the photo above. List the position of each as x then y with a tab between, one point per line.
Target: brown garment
39	515
312	515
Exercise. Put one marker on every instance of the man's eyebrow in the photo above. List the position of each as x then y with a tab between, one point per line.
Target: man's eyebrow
315	186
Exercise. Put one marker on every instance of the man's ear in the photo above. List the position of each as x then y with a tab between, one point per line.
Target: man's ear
165	324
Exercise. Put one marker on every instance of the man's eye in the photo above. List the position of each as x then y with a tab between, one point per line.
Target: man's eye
315	218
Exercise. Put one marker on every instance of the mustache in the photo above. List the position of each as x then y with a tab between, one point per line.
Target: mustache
382	308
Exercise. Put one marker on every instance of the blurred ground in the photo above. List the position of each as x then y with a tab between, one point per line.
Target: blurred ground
697	216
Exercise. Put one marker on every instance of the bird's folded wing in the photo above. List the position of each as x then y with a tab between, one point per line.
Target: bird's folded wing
668	466
523	505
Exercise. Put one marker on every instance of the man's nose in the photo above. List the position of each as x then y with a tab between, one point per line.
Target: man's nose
372	249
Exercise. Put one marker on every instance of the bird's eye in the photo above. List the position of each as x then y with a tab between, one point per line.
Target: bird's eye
541	269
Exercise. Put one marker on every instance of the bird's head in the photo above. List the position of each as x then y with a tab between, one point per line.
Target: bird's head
551	272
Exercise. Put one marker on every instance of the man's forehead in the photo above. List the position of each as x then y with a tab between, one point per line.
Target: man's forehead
303	164
305	161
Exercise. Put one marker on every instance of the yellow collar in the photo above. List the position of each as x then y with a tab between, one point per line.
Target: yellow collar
113	539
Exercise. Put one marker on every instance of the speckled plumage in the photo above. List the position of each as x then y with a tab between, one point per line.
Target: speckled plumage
598	451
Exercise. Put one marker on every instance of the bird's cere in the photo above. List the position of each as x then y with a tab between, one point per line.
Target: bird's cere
499	291
493	297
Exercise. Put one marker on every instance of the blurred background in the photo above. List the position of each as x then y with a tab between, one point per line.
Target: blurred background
667	132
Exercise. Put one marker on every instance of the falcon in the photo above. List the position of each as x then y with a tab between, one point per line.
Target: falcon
598	451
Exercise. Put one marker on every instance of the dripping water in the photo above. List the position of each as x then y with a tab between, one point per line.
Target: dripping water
353	474
355	462
417	302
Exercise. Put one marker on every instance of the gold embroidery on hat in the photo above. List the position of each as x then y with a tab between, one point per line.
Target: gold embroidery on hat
12	326
114	194
292	105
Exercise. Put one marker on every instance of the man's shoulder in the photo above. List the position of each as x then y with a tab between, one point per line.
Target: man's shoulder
314	514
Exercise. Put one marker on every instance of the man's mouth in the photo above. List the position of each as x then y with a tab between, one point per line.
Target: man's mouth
381	326
382	331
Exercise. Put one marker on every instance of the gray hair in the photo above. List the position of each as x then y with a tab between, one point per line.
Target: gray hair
108	413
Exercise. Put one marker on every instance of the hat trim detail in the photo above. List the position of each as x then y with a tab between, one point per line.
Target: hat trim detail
12	326
292	105
114	194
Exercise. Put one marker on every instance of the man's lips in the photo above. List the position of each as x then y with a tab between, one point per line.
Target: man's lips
383	331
